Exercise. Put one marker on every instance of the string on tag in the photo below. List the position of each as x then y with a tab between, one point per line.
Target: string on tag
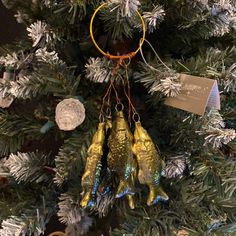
156	54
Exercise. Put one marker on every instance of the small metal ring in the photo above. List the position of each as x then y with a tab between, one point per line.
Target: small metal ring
136	117
117	107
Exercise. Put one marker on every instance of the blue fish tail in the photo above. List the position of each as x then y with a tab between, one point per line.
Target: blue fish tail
156	194
124	188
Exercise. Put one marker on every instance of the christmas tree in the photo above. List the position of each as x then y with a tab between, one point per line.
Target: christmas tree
88	144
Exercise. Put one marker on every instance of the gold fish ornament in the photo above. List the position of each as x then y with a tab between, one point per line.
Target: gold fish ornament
122	165
92	172
149	164
120	158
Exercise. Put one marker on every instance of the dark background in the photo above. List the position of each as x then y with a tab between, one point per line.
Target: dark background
10	30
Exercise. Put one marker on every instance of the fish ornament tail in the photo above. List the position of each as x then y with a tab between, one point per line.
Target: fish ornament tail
130	201
125	187
88	200
156	194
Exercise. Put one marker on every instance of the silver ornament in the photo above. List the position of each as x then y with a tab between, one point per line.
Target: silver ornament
70	113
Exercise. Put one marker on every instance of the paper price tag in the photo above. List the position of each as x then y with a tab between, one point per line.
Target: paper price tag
197	93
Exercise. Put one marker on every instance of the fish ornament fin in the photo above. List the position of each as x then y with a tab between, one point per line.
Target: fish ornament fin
125	187
156	194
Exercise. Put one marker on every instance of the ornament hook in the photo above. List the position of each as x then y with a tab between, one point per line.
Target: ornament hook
119	105
136	117
101	118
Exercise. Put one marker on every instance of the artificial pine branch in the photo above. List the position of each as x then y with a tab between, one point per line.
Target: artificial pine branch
29	167
72	155
144	221
72	215
16	129
32	220
193	37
